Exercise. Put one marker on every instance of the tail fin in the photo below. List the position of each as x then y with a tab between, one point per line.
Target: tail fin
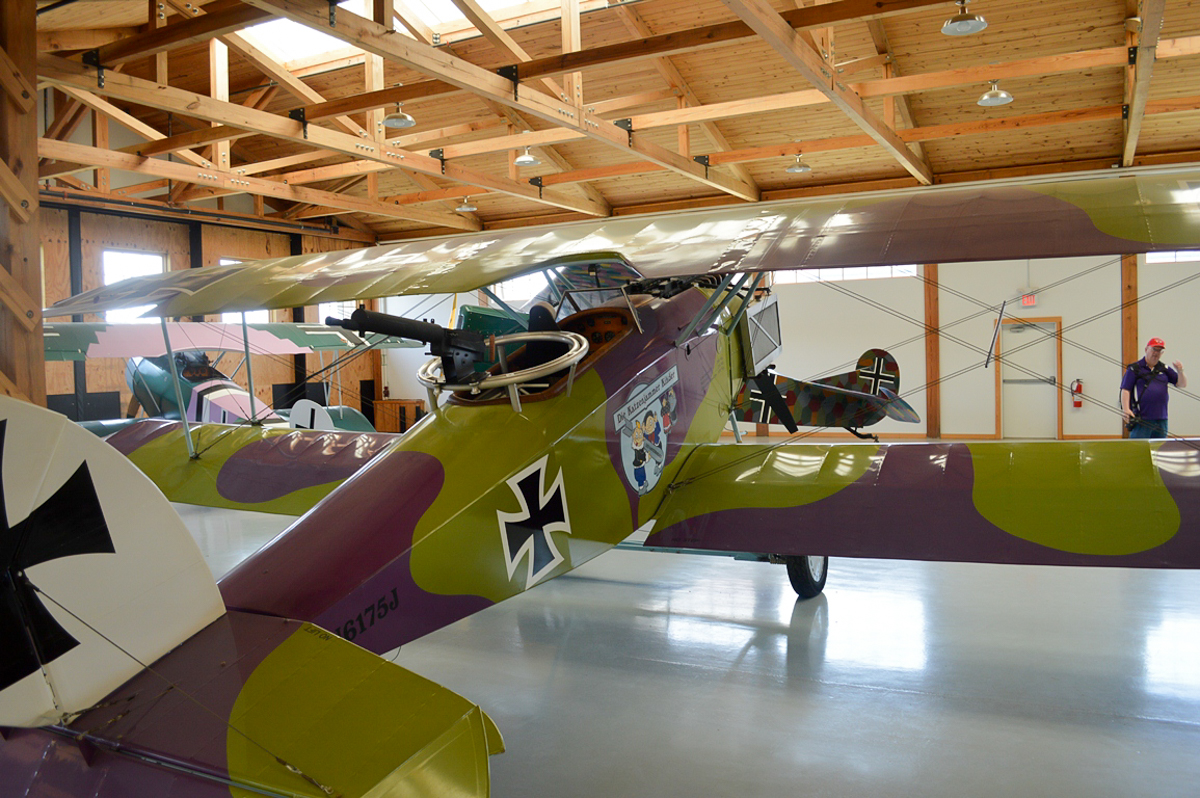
91	553
114	640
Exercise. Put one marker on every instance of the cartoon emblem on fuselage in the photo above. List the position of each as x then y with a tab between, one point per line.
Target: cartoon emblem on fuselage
643	435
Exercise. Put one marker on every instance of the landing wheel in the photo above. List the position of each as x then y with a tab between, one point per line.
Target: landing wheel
807	574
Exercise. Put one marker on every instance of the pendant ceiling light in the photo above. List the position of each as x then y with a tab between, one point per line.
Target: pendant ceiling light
994	96
963	23
526	159
398	119
799	167
466	206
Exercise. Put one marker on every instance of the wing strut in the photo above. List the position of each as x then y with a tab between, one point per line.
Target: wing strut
249	371
187	430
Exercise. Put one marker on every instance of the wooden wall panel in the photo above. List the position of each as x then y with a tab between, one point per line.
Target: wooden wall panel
56	285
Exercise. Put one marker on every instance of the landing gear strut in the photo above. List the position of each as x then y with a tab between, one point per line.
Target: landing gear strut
807	574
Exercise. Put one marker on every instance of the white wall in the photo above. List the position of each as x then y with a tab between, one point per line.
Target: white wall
1091	350
825	329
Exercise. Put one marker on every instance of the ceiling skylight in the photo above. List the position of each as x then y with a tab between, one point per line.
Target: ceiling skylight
286	41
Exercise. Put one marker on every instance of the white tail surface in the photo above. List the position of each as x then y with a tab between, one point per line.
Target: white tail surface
98	574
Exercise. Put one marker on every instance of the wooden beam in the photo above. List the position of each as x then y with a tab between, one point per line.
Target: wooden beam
59	71
224	16
782	38
19	199
22	306
1151	13
666	68
57	41
130	121
713	35
373	38
218	89
22	349
156	15
18	89
78	153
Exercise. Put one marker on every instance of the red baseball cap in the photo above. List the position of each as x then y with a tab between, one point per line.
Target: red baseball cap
1157	342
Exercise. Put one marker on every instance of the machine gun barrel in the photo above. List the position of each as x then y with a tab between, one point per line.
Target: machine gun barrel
459	350
363	320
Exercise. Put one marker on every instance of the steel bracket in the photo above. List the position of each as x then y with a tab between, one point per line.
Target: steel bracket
299	115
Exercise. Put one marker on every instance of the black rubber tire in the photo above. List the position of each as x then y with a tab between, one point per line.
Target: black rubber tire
800	574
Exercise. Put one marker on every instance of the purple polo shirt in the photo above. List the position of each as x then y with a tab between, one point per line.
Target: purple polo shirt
1151	398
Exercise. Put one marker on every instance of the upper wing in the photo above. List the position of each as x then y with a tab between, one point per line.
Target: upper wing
82	340
1122	503
1065	216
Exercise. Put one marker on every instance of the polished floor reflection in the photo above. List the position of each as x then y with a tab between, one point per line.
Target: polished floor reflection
678	675
681	675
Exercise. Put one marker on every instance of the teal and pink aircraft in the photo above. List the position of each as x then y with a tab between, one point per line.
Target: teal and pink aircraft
160	388
125	670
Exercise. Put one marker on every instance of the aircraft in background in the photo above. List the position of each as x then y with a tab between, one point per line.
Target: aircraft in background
525	470
208	394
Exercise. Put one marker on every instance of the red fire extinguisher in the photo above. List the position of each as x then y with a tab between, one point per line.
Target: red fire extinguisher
1077	393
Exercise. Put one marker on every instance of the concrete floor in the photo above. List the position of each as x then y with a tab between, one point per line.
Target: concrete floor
679	675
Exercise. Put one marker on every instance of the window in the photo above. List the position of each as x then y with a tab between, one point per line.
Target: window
235	317
521	289
286	41
1172	257
841	274
117	265
339	310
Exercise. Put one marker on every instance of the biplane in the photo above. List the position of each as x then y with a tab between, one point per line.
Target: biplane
127	669
171	370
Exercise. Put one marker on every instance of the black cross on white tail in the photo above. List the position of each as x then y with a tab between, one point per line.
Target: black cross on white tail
876	377
759	409
70	523
526	534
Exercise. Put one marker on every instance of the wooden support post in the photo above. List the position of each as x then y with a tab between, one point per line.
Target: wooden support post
156	13
218	89
22	357
933	354
1130	350
100	140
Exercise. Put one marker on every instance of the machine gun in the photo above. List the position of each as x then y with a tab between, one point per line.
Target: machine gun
459	350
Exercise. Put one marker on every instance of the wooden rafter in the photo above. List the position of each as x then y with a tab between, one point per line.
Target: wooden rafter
1151	14
714	35
224	16
78	153
61	72
777	33
372	37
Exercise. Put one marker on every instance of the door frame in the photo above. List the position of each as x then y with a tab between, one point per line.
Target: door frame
1058	385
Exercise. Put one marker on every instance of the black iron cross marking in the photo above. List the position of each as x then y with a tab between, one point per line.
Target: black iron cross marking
71	522
759	409
528	532
875	377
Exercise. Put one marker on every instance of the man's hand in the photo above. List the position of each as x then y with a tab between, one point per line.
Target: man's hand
1177	366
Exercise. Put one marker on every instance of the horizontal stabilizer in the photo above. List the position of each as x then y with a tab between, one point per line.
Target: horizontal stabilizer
1120	503
272	707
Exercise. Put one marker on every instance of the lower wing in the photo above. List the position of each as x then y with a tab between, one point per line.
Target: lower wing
1122	503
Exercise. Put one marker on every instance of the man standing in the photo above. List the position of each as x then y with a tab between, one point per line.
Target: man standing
1144	392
